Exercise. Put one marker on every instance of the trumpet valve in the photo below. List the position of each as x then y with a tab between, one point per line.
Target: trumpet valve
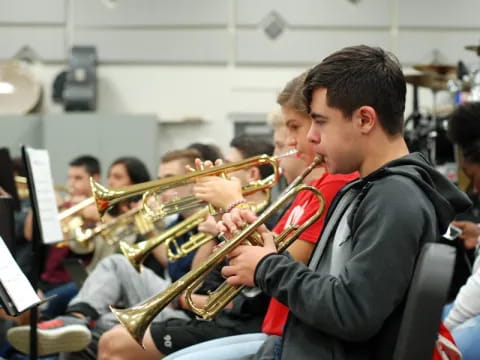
255	239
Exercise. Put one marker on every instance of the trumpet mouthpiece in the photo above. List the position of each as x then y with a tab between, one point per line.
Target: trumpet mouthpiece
287	154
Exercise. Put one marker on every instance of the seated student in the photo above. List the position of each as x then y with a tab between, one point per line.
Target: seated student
291	166
113	281
347	302
208	152
346	315
464	130
222	193
297	122
463	319
246	312
123	171
55	280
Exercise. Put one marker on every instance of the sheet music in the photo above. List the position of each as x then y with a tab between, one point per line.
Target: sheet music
45	195
14	282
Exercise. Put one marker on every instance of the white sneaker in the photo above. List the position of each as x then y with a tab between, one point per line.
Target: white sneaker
62	334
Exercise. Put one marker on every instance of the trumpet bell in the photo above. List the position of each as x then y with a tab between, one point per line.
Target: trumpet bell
102	196
137	318
133	320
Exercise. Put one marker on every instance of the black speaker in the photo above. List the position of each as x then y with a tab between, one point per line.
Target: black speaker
80	93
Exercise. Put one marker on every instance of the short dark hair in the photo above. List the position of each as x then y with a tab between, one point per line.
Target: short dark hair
251	146
207	151
90	163
136	169
361	75
188	156
464	125
471	152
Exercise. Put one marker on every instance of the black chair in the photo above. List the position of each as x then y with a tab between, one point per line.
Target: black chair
425	300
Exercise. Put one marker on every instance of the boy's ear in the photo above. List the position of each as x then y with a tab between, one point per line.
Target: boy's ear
367	118
254	174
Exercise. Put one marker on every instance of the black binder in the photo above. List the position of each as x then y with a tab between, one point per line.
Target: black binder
7	181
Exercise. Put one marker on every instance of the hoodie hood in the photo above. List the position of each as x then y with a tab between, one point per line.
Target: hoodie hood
447	198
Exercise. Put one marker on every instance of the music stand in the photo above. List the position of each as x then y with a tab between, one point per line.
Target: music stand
46	226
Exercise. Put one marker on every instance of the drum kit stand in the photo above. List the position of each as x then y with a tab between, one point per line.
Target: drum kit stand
427	133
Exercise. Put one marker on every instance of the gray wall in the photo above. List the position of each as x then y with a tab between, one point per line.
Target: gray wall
68	136
233	31
20	130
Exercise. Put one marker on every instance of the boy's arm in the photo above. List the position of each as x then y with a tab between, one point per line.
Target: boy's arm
354	305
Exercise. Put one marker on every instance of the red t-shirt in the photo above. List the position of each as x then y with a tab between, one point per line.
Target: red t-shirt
304	206
55	272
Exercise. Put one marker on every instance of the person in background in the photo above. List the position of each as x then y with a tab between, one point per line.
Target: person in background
463	316
338	306
55	279
244	314
114	281
297	122
208	152
464	131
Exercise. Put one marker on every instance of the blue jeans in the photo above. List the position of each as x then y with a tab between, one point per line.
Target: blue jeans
227	348
58	305
466	335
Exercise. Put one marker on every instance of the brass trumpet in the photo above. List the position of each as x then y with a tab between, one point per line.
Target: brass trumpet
106	198
66	213
190	202
73	225
23	193
137	253
137	318
76	208
132	222
197	240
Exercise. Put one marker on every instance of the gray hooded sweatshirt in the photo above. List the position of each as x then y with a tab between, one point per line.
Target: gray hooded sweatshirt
348	301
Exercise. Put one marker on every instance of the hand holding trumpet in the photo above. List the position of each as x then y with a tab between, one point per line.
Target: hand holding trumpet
244	258
219	191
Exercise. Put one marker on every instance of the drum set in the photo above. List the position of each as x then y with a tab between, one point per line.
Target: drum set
427	132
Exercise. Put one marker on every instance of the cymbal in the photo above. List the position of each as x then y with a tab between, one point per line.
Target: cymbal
475	48
428	81
21	92
436	69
